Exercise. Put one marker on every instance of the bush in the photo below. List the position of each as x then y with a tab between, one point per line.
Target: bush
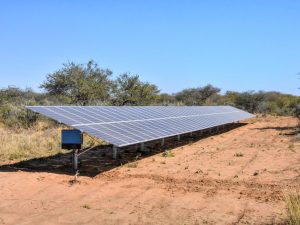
17	116
297	111
12	106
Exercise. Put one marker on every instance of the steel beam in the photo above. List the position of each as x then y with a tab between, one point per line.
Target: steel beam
115	152
162	142
142	147
75	159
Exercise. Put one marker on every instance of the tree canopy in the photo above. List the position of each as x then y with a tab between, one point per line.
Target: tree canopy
129	90
197	96
80	84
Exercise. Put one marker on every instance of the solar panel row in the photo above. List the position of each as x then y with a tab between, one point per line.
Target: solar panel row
128	125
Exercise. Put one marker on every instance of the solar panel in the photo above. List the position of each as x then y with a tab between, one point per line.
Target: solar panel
126	125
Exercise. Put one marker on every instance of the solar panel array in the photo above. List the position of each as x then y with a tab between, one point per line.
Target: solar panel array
126	125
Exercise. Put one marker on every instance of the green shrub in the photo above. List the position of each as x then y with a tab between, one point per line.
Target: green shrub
17	116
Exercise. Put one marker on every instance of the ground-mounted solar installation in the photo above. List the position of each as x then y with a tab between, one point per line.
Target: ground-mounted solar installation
128	125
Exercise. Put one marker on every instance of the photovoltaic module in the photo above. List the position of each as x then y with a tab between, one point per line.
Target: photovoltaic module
126	125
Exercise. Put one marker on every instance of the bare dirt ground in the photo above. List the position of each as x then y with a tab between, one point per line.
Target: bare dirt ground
237	177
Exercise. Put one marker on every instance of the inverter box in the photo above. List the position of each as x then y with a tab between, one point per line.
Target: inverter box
71	139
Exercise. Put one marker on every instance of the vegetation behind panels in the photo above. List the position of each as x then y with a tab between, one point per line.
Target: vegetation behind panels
88	84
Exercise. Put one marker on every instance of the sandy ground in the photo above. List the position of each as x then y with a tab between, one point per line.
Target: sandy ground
237	177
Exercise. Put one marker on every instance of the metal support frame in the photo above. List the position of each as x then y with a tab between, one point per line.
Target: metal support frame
162	142
75	159
200	132
115	152
136	146
76	155
142	147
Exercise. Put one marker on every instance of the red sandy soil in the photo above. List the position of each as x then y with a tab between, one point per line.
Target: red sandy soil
204	183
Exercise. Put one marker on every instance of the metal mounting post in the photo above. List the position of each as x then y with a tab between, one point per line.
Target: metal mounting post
142	147
115	152
162	142
200	132
75	159
136	147
178	137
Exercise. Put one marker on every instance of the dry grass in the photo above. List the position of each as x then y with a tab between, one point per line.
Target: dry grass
239	154
131	164
19	144
293	209
41	140
86	206
168	153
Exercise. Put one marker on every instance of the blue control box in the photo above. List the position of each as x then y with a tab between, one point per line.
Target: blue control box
71	139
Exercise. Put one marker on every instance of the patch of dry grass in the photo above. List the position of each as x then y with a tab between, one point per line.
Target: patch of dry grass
293	209
41	140
239	154
18	144
167	153
86	206
132	164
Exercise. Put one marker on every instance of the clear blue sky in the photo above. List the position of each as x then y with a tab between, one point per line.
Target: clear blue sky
235	45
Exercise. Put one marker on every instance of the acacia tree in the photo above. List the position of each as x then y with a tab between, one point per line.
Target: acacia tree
80	83
129	90
197	96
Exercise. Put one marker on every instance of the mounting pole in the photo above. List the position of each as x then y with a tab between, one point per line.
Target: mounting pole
201	132
191	134
75	159
162	142
178	137
115	152
142	146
